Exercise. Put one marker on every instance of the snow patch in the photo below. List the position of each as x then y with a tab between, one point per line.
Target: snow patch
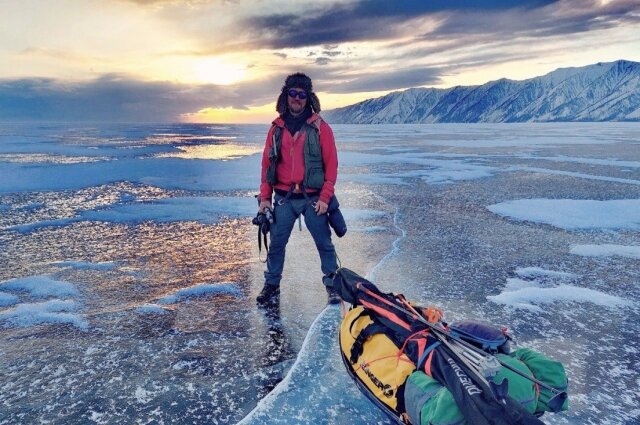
530	297
571	214
52	311
7	299
200	291
40	286
539	288
606	250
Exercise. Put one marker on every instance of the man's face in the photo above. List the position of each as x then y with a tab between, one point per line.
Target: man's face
296	105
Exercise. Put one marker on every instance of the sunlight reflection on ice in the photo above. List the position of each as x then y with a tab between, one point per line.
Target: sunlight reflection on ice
212	152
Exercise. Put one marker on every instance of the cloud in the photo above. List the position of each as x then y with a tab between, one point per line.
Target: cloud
119	98
562	18
362	20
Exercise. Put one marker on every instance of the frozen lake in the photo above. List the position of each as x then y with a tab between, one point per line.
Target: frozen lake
129	266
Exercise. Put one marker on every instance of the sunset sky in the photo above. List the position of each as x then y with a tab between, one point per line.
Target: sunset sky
225	61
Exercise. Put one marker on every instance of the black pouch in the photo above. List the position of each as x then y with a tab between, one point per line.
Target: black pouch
483	335
336	220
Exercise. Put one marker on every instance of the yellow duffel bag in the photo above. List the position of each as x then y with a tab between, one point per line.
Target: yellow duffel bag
374	358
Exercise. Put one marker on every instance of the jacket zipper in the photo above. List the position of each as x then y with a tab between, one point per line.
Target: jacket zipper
293	140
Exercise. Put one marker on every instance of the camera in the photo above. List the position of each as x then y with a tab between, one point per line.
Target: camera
263	218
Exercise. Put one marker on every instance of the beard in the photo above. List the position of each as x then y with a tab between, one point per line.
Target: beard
296	107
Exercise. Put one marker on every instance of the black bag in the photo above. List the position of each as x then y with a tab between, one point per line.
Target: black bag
336	220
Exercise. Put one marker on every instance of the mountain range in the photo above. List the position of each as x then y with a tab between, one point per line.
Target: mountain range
599	92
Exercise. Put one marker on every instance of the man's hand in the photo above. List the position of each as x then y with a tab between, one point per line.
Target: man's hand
321	207
263	205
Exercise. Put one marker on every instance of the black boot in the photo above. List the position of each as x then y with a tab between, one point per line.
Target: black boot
333	296
268	293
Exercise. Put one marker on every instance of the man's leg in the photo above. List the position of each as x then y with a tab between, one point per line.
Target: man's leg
280	231
318	226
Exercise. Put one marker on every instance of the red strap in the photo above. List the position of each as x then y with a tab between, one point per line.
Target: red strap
427	364
422	343
385	313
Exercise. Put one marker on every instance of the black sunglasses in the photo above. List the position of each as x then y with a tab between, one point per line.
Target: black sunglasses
302	95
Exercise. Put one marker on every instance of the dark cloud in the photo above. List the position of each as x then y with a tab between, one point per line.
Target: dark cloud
401	79
363	20
566	17
322	60
118	98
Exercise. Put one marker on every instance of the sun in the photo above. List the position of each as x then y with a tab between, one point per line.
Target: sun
214	70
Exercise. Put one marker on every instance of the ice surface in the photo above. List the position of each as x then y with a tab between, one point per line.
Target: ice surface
537	272
357	214
137	215
201	290
169	173
216	151
373	178
434	171
606	250
368	229
106	265
596	161
151	309
202	209
316	389
40	286
576	175
574	214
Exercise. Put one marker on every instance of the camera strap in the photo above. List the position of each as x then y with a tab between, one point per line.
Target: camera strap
263	229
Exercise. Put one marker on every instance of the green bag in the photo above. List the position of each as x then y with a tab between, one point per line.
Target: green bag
548	371
429	403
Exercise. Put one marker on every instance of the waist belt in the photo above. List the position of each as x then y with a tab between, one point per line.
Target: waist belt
293	195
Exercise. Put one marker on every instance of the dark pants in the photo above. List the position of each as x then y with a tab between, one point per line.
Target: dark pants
318	225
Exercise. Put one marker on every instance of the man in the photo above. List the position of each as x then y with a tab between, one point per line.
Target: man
299	163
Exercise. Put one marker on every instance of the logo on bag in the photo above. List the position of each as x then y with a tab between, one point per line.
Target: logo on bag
466	382
387	390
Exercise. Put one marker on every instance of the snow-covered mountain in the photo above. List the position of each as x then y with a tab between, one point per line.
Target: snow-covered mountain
600	92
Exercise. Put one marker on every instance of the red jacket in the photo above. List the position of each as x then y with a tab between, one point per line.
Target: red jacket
290	168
